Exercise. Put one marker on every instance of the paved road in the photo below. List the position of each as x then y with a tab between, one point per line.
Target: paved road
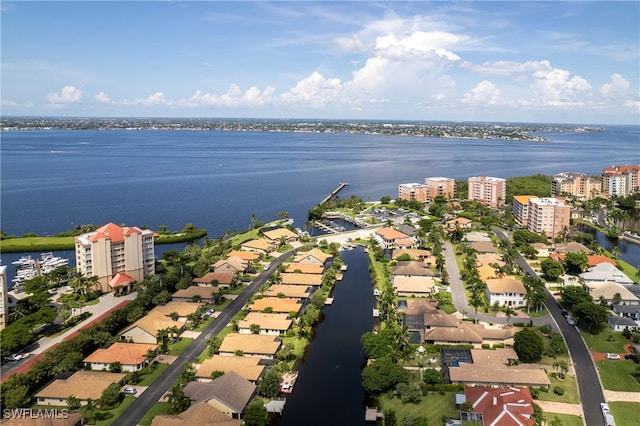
589	385
134	413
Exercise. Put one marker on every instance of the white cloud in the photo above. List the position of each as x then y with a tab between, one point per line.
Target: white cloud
151	100
68	95
555	87
618	86
507	67
351	43
102	97
485	93
418	45
316	91
233	98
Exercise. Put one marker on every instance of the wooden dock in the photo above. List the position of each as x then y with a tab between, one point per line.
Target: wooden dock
334	192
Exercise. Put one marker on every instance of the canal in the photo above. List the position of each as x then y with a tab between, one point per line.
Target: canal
628	251
329	387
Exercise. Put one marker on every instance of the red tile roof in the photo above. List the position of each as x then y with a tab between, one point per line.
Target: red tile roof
504	406
120	279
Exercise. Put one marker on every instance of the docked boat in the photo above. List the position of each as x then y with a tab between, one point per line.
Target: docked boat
28	268
288	380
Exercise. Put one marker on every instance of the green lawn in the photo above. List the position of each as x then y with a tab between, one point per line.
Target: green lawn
616	375
599	342
158	408
108	417
571	394
432	406
625	413
148	379
565	419
178	347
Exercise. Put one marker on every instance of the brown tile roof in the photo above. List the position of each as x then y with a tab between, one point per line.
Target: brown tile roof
223	278
124	353
571	247
314	253
246	366
297	291
70	419
452	335
254	344
245	255
413	268
413	284
260	244
520	375
415	254
277	304
201	414
181	308
266	321
83	384
506	406
439	318
305	268
205	293
506	284
416	306
591	260
234	262
154	321
483	246
301	279
120	279
276	234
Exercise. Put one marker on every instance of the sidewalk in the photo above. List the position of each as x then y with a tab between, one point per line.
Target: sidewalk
101	310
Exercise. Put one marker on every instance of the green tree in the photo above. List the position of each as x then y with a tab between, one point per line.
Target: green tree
256	414
574	295
575	263
178	401
269	385
110	397
89	410
383	375
409	393
528	344
552	269
73	402
593	316
16	396
432	376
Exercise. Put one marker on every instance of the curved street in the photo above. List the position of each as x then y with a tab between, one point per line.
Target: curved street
589	385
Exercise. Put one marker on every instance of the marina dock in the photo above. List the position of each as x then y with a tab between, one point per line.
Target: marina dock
334	192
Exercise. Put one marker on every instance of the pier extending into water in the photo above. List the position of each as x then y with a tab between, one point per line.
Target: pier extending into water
334	192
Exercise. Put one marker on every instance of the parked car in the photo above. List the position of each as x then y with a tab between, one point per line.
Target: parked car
612	356
209	312
14	357
129	391
630	356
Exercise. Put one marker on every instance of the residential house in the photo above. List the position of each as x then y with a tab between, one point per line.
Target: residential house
286	305
315	256
475	236
571	247
411	268
281	234
231	265
249	256
605	272
201	414
261	245
504	406
542	249
506	291
413	286
610	291
414	254
250	368
628	311
268	324
130	356
591	260
216	279
229	393
482	246
145	330
299	292
82	384
253	345
195	293
183	309
111	249
68	418
617	323
458	223
306	280
389	238
304	268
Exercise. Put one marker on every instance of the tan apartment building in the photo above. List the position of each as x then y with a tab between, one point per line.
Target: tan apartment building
440	186
580	185
548	215
412	191
620	180
4	298
520	208
490	191
111	249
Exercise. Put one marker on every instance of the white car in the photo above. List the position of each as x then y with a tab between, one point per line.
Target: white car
129	391
612	356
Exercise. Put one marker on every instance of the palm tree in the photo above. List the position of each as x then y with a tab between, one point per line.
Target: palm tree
509	312
178	401
89	410
73	402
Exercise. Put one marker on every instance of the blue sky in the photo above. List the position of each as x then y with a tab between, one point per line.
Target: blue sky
563	62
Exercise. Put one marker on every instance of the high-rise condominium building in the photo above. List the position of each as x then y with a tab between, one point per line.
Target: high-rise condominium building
621	181
440	186
111	249
412	191
490	191
548	215
579	185
4	298
520	208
